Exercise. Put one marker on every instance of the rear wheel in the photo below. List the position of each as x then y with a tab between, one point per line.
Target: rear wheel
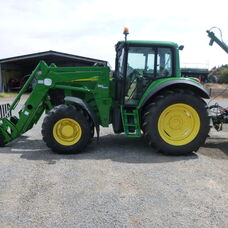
176	122
67	129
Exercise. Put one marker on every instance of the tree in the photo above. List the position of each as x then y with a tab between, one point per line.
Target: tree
223	75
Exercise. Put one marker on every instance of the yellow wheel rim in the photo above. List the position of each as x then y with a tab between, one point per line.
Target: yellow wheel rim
178	124
67	132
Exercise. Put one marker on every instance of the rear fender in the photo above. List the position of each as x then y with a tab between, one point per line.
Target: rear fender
173	84
87	108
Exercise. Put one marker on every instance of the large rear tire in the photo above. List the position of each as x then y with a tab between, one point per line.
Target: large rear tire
67	129
176	122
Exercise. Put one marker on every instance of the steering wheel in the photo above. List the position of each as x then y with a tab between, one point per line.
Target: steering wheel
134	74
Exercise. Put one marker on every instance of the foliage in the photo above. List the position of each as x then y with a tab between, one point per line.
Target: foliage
220	72
223	75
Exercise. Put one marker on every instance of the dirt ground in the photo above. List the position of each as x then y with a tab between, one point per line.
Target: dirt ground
116	182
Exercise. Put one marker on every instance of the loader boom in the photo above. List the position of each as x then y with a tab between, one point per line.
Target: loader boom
215	39
52	77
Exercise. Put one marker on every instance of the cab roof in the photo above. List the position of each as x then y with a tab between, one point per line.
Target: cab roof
150	42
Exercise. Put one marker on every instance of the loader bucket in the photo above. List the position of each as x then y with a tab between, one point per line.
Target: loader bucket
5	111
2	139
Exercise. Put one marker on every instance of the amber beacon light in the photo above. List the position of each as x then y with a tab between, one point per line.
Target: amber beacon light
126	32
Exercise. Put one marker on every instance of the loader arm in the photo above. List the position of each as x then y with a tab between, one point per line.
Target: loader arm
215	39
46	78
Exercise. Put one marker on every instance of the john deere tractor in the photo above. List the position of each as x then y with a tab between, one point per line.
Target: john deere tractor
145	96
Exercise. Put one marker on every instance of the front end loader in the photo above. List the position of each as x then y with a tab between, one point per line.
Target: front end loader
144	97
59	87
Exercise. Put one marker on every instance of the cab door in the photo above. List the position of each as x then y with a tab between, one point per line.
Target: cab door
140	70
144	65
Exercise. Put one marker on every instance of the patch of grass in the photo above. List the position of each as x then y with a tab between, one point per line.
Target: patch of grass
215	85
7	95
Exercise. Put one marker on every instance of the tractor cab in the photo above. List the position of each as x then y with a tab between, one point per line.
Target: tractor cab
139	63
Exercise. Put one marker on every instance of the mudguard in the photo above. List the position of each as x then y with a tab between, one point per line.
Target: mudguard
87	108
179	83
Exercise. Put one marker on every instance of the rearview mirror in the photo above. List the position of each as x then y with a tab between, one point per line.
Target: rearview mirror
181	47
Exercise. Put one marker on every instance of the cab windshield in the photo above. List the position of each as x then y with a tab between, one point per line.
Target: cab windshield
145	64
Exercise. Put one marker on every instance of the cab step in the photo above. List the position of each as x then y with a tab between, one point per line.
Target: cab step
131	122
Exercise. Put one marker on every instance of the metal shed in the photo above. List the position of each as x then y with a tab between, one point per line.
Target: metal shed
13	70
201	73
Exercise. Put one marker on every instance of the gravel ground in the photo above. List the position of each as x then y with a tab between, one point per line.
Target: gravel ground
117	182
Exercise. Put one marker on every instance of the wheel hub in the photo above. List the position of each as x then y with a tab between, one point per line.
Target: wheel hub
67	131
175	123
179	124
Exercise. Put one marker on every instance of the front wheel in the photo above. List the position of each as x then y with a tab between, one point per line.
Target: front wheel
67	129
176	122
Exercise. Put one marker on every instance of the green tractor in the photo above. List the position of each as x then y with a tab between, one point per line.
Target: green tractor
144	96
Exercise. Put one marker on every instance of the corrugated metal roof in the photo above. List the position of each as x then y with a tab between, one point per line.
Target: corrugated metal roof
50	53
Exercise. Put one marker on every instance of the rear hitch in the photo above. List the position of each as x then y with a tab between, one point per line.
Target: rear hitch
219	116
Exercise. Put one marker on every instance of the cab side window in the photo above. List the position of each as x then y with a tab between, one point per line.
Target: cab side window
164	62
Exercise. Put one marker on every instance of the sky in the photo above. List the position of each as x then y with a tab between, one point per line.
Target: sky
91	28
